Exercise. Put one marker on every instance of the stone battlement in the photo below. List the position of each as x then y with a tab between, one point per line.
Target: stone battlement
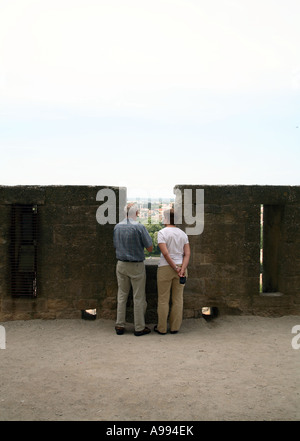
56	259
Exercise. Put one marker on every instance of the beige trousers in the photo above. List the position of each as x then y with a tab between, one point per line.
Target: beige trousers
167	282
131	274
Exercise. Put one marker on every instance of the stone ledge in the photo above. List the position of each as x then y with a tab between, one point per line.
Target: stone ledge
31	305
271	294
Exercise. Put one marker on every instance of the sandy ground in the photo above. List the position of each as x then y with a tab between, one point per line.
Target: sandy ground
234	368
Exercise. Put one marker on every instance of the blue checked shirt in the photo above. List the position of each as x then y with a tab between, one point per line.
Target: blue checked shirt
130	239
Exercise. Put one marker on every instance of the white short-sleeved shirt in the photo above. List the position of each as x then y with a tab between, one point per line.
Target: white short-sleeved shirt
175	239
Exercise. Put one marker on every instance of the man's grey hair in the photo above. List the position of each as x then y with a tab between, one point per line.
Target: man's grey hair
131	209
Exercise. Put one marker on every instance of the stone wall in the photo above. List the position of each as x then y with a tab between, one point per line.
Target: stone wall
224	270
76	258
75	255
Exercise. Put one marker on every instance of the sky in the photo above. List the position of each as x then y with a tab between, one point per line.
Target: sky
149	94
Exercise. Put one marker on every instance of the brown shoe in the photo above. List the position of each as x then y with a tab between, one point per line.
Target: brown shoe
143	332
156	330
119	330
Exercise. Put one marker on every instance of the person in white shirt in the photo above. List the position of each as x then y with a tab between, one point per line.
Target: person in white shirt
175	254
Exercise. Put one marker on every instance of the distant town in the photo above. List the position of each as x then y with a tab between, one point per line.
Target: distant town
151	210
151	215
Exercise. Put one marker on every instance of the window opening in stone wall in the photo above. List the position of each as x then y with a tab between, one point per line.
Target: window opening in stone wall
209	313
89	314
261	249
270	242
23	250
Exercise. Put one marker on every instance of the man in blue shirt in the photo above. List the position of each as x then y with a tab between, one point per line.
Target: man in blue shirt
130	239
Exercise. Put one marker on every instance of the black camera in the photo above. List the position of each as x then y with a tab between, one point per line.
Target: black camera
182	280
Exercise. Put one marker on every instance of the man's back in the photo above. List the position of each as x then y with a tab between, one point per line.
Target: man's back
130	239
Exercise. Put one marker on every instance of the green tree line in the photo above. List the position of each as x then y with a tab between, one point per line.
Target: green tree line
153	230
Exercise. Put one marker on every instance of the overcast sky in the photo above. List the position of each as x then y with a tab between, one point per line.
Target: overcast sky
149	94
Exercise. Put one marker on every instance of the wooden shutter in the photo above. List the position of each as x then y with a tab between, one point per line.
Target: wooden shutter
23	254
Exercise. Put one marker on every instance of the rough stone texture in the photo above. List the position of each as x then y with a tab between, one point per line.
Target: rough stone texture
76	257
225	262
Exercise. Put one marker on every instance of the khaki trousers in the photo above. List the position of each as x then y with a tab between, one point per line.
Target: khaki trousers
167	281
131	274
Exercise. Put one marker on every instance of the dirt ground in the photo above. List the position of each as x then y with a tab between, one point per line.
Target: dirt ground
233	368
